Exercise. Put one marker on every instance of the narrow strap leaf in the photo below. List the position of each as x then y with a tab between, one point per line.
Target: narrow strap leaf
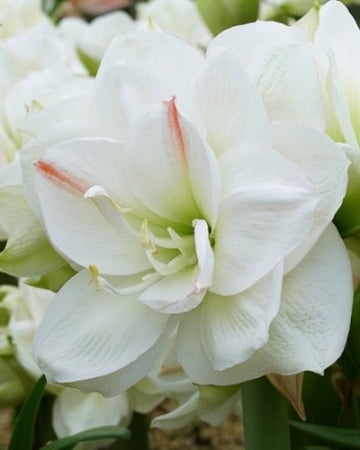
338	436
23	434
107	432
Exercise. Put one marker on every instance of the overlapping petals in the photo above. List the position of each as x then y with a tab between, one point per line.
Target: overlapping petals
279	60
302	336
196	217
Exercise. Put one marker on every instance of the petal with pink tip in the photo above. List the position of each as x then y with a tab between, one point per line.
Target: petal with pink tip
75	225
173	171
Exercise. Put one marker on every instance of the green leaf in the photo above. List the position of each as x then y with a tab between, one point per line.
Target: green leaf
54	280
265	416
347	218
338	436
90	63
68	443
23	434
316	447
352	350
50	7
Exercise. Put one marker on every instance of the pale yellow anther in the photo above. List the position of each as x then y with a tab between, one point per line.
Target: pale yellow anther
144	233
146	241
150	25
170	370
95	275
35	105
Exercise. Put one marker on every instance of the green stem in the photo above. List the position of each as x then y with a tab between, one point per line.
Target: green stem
265	416
139	428
139	440
356	405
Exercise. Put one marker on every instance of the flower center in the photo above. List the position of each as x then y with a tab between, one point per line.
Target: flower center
171	254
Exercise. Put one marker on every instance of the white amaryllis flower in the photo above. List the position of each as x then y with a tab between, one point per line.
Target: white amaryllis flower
179	17
92	39
336	40
196	216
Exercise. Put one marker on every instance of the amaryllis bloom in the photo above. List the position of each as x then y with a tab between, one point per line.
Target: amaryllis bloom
178	17
92	39
192	216
336	40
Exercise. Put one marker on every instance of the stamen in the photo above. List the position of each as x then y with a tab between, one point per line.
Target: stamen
95	275
146	241
99	191
170	370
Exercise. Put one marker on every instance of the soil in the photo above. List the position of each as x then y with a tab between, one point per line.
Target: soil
6	417
200	436
197	436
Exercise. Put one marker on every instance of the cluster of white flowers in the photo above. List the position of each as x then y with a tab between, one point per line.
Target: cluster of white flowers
183	202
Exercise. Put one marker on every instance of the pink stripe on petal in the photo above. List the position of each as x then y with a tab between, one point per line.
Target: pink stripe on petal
175	128
61	177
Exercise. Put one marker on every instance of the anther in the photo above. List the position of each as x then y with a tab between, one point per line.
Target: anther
95	275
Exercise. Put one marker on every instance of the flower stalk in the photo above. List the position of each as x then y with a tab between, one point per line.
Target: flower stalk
265	416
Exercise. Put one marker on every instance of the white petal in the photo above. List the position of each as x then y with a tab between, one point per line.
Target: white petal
173	170
75	224
204	253
231	329
123	94
249	166
88	333
145	396
173	61
180	416
280	62
175	293
217	402
12	202
74	411
36	146
123	379
310	331
336	45
222	91
257	227
323	162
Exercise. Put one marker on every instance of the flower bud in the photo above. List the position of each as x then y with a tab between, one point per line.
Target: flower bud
222	14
